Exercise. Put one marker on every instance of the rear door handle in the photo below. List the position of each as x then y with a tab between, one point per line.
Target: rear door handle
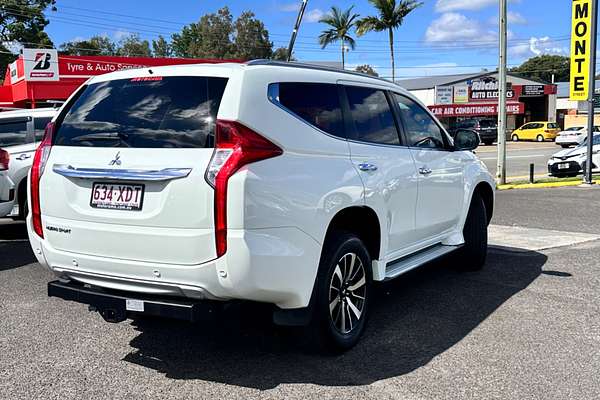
23	156
425	171
367	167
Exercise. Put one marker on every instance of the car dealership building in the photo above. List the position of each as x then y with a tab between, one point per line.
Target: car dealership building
453	98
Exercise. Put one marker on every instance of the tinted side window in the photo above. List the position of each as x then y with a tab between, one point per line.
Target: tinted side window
13	132
552	125
316	103
39	127
372	116
421	130
161	112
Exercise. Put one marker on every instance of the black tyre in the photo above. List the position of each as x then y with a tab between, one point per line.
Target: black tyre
488	142
343	290
473	254
515	138
539	138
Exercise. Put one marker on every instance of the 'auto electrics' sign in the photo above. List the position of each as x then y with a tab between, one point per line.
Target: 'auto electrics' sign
487	89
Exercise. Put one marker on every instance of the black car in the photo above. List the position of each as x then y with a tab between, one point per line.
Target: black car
486	128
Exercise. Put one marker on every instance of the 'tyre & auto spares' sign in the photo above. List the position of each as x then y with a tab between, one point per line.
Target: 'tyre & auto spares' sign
40	64
468	110
444	94
487	89
532	90
580	49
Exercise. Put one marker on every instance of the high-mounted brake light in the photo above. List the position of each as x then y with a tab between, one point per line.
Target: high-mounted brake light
236	145
37	170
4	160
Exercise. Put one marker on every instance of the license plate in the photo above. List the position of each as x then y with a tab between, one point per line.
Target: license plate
563	166
117	196
134	305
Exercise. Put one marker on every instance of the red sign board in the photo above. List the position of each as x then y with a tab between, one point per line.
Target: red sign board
474	109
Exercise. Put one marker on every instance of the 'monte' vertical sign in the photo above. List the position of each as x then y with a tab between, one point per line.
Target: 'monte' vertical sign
581	49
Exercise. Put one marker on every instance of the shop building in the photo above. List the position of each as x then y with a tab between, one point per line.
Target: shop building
573	113
453	98
42	77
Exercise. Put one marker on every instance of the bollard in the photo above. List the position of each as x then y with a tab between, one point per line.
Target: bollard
531	175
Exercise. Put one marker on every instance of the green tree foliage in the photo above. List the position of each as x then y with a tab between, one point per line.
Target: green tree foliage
251	38
208	38
341	23
542	67
219	36
390	15
366	69
133	46
280	54
95	46
22	23
161	48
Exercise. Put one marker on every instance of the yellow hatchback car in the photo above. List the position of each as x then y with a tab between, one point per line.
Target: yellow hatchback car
538	131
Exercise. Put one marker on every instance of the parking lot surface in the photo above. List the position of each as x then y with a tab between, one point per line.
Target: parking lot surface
526	327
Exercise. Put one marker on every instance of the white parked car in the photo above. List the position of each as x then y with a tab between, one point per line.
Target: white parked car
573	136
20	133
167	190
7	187
570	162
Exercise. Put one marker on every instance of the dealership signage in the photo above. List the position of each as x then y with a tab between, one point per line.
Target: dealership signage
532	91
581	31
444	94
487	89
461	94
468	110
40	64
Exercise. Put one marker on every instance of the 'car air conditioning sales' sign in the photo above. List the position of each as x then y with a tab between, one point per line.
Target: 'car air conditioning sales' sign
580	49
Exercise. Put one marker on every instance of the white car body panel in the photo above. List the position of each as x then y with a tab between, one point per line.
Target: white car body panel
278	210
571	137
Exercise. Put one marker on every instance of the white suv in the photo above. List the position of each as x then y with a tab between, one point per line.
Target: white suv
20	133
169	190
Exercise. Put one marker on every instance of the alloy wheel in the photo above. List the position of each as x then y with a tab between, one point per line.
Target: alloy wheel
347	293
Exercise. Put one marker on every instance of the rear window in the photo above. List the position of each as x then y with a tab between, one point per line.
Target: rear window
13	132
552	125
39	127
316	103
488	123
170	112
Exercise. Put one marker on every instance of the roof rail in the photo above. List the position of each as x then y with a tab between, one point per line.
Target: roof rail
12	108
294	64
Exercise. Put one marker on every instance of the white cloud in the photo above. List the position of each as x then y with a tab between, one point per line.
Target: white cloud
536	47
289	7
314	15
453	26
121	34
471	5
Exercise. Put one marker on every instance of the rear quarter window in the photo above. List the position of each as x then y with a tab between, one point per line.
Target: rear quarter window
167	112
318	104
13	132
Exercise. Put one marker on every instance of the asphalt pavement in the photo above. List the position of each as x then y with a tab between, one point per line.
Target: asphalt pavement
526	327
518	157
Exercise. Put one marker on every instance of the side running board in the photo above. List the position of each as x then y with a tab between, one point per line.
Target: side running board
398	267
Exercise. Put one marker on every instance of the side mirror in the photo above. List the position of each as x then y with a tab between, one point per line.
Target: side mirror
466	139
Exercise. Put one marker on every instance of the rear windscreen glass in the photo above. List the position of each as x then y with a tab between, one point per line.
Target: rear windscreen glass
487	123
171	112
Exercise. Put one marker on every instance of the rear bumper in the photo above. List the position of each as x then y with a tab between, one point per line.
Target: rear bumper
277	266
116	306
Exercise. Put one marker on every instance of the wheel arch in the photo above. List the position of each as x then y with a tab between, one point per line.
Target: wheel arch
486	192
362	221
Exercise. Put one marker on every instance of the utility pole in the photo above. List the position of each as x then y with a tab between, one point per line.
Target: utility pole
592	90
501	167
296	28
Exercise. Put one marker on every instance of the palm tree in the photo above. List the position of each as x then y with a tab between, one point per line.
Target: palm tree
391	15
341	23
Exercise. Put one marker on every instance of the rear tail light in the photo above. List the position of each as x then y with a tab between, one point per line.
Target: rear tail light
235	146
4	160
37	170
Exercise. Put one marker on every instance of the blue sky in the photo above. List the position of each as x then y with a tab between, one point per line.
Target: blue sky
442	36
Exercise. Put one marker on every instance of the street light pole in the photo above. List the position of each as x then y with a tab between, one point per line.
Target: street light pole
592	89
501	167
296	28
